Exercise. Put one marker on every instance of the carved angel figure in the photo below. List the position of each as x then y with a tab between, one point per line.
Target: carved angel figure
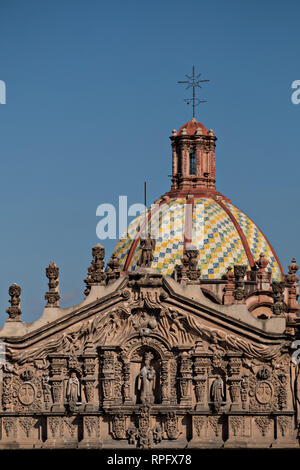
147	380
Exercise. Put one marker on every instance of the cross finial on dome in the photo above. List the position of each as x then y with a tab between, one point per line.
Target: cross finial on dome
193	82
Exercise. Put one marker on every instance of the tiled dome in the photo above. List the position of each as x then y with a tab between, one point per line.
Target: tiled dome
222	233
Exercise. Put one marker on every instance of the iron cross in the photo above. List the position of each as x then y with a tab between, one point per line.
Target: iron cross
193	81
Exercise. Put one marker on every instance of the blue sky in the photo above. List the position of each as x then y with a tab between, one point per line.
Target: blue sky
92	97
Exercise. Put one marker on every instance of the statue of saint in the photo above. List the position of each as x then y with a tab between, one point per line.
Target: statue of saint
147	246
147	380
73	389
217	390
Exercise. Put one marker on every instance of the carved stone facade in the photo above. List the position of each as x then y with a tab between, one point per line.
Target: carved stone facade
155	361
141	366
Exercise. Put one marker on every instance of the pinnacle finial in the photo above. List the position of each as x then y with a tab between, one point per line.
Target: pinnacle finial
14	311
96	274
52	296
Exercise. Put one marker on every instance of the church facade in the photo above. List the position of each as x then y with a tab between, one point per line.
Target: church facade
184	340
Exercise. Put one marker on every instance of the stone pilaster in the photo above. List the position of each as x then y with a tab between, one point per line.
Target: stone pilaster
185	379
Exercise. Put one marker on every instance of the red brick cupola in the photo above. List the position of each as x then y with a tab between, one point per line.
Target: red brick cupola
193	160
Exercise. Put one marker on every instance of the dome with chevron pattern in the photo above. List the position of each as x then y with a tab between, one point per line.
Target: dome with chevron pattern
222	233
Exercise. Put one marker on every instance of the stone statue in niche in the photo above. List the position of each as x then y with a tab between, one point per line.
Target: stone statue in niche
147	380
217	392
73	389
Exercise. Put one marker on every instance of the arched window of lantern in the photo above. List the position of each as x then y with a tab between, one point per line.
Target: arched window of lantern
193	161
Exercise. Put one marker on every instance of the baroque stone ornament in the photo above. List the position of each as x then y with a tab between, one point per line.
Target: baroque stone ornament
159	355
239	274
14	311
27	423
279	305
188	271
171	426
119	426
114	268
96	274
263	424
199	423
236	424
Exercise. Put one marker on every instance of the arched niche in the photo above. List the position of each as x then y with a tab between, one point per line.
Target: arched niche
136	351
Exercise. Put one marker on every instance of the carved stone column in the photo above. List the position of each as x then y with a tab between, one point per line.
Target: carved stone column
126	387
89	361
58	372
228	297
201	365
185	378
108	374
244	391
165	382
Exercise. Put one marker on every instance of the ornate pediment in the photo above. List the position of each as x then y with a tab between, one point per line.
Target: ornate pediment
144	308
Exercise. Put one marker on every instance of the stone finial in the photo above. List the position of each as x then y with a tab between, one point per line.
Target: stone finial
229	275
263	278
174	132
262	262
96	274
293	267
239	274
14	311
52	296
291	280
188	270
114	266
278	295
